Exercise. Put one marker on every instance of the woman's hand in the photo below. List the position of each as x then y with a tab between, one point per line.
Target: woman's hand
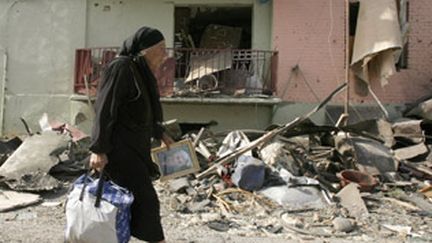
167	140
98	161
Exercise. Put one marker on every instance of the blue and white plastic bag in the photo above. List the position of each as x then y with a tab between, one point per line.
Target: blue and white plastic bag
97	211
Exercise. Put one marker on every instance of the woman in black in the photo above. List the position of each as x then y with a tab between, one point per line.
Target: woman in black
128	115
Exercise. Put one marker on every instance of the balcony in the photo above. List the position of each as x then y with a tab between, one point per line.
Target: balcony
210	73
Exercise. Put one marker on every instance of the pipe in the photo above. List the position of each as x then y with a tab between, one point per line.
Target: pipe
347	55
2	91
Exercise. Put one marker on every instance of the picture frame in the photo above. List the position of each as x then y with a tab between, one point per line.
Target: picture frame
179	160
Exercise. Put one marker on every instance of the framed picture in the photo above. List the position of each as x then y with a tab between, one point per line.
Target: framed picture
179	160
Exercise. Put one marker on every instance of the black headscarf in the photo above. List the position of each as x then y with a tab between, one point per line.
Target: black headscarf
144	38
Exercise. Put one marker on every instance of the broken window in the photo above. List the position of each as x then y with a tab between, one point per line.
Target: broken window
213	55
213	27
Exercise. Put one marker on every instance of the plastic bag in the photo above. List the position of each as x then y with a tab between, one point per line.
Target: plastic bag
97	211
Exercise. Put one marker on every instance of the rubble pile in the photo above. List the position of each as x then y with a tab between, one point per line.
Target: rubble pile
368	178
321	181
343	171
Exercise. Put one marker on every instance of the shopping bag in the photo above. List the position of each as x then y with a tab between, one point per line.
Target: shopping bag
97	211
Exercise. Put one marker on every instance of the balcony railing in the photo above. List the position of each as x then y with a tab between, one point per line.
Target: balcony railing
192	72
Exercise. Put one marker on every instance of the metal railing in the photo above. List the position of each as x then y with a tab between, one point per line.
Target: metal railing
89	65
190	72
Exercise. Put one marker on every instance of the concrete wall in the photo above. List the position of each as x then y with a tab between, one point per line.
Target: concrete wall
39	39
310	34
110	22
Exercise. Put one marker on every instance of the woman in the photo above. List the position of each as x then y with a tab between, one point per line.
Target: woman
128	114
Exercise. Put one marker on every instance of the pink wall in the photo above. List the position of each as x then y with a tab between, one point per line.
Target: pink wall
310	34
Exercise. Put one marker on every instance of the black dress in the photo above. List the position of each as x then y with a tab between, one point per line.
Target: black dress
128	114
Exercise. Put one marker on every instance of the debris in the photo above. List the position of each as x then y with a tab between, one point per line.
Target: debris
31	162
417	170
206	64
34	181
351	200
207	217
271	229
297	222
372	157
366	182
411	151
173	129
380	128
343	224
220	225
403	230
179	184
274	154
423	110
409	130
427	191
249	173
233	141
268	136
403	204
10	200
418	200
199	206
301	197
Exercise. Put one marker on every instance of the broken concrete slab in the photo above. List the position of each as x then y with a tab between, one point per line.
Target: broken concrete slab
10	200
411	151
38	152
33	181
36	156
410	130
350	199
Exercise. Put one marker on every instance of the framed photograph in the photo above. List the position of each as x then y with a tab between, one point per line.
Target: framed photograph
179	160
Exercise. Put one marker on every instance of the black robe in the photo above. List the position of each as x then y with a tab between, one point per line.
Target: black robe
128	114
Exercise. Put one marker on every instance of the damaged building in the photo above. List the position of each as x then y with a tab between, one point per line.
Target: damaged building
291	117
246	64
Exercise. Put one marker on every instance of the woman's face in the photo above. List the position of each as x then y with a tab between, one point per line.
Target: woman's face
156	55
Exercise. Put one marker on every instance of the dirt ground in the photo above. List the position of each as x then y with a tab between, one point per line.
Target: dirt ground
44	222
